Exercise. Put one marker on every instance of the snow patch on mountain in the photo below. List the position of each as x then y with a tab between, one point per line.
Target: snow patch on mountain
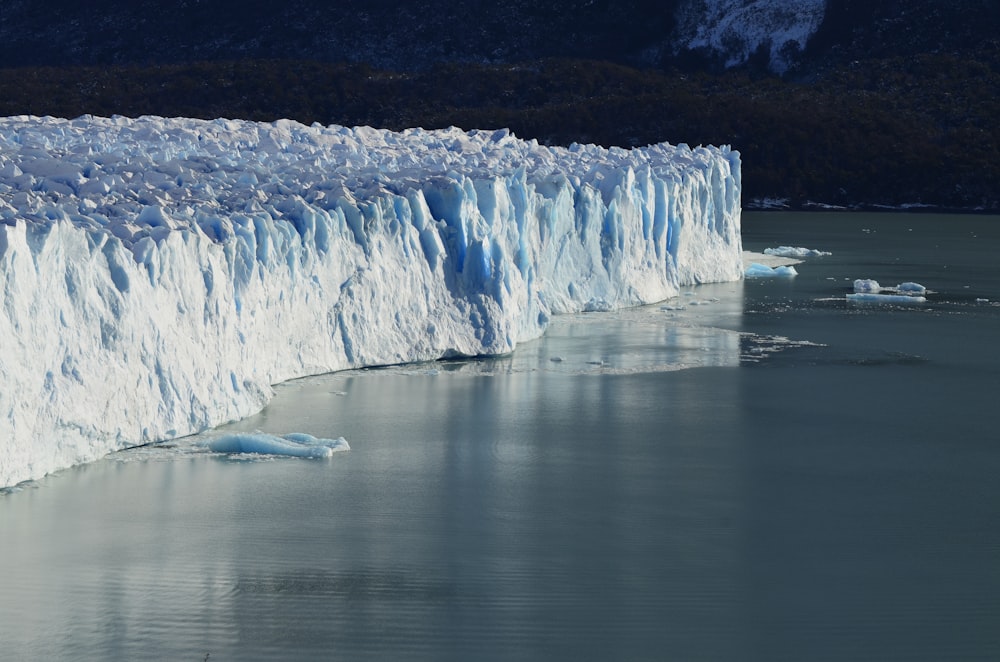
736	29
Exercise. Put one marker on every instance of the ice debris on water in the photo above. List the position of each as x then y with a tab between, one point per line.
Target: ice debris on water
757	270
866	285
869	291
911	288
795	252
296	444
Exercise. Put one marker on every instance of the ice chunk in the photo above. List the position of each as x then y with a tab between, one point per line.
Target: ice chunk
757	270
796	252
911	288
866	285
338	444
295	444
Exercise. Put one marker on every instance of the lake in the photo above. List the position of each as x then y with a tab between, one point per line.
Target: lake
751	471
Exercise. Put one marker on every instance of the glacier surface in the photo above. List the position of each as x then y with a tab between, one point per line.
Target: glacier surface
159	275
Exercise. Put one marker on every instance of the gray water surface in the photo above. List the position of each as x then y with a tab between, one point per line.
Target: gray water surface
753	471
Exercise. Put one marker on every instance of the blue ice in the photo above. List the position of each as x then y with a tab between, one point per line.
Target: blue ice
296	444
757	270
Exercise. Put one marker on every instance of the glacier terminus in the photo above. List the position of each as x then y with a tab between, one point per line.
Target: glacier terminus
159	275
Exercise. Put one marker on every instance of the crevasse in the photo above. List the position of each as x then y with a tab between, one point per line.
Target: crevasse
159	275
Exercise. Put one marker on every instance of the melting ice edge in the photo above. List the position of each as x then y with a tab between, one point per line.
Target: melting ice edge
159	275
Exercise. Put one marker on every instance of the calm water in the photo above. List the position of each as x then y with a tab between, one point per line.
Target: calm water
819	483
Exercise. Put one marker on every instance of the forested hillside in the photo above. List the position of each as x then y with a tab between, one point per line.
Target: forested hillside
890	103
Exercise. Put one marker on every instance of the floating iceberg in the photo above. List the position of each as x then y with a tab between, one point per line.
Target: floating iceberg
757	270
796	252
911	288
869	291
296	444
159	275
866	285
869	297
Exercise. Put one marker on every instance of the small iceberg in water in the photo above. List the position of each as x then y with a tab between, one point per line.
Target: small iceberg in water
757	270
911	288
795	251
296	444
866	285
869	291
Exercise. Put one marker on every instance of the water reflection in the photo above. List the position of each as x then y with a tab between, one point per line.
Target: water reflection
699	328
821	487
510	507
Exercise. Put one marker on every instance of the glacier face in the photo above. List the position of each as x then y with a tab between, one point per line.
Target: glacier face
159	275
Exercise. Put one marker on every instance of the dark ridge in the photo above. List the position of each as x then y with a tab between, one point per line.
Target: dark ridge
893	102
384	34
887	132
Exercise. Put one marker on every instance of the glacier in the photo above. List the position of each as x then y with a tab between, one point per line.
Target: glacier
159	275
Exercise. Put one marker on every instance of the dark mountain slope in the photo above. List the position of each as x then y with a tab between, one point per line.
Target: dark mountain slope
893	101
907	132
874	29
407	36
383	34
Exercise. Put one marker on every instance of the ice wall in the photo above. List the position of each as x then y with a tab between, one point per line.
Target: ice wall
158	275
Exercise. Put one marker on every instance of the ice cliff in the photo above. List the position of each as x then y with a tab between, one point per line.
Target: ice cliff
159	275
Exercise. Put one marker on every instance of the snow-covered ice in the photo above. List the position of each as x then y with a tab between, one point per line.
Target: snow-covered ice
911	288
159	275
908	288
866	285
751	257
867	290
795	251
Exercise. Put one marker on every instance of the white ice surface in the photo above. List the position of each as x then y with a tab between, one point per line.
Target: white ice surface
751	257
911	288
159	275
869	291
866	285
795	251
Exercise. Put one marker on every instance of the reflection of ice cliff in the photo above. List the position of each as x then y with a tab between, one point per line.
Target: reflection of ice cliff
695	330
158	275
